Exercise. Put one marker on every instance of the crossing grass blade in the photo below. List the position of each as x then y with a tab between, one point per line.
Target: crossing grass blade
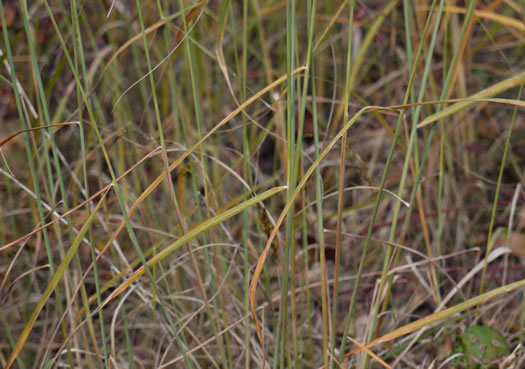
491	91
350	122
441	315
53	283
190	235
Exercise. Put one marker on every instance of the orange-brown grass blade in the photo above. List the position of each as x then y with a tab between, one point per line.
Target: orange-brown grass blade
367	350
308	174
7	139
504	20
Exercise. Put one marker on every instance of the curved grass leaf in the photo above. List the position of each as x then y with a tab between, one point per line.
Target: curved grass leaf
485	93
445	314
308	174
53	283
203	227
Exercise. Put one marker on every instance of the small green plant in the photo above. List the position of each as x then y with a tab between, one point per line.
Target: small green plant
482	347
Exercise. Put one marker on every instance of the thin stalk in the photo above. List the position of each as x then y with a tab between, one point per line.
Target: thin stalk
292	170
498	187
78	56
341	186
320	223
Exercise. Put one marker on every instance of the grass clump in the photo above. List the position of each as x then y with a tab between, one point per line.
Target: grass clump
249	184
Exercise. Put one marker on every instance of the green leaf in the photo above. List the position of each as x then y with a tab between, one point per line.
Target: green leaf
484	344
480	345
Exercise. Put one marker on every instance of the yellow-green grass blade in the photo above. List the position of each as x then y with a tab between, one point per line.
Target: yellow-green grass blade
441	315
486	93
53	283
203	227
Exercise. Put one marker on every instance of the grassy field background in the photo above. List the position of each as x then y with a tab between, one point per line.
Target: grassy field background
262	184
